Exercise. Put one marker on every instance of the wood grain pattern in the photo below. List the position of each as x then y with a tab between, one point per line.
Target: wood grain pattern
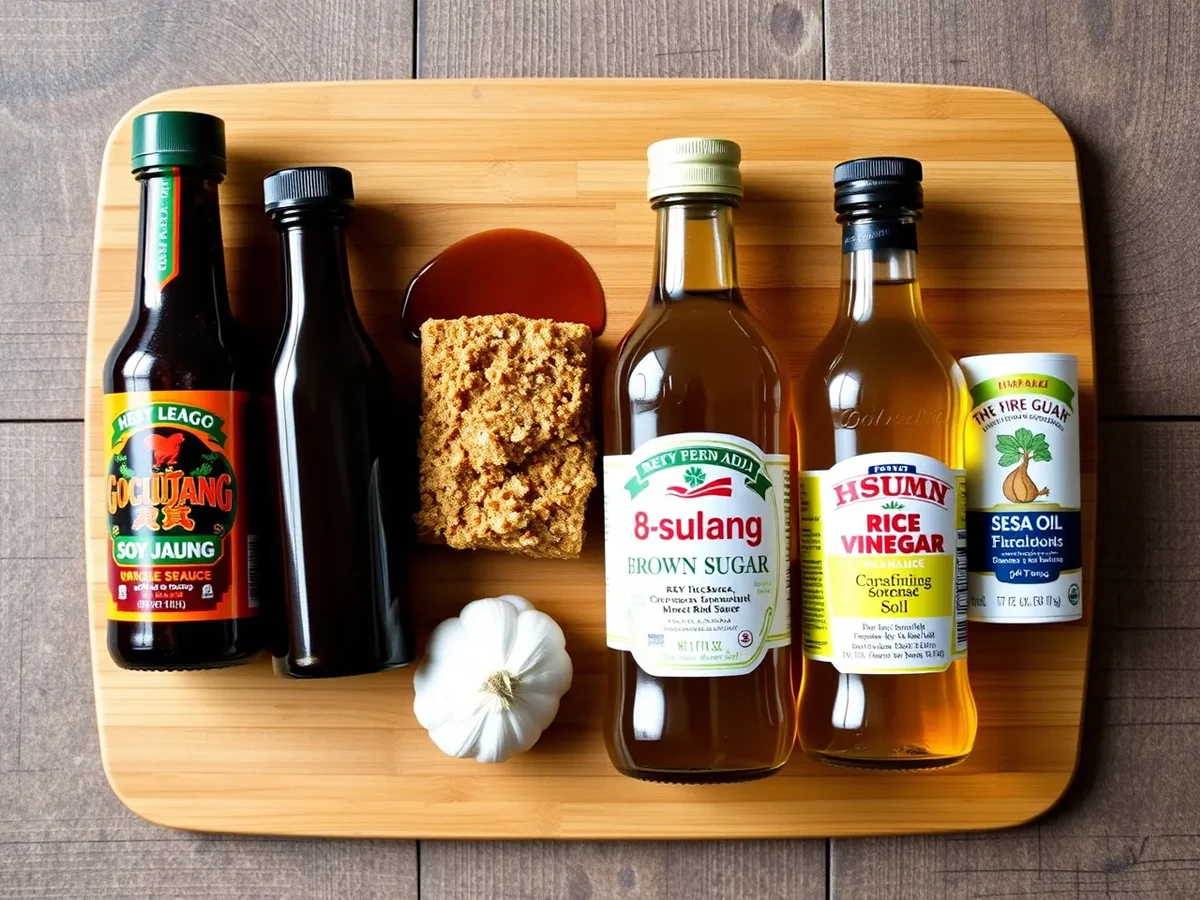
542	870
1122	76
345	757
68	73
1129	824
619	38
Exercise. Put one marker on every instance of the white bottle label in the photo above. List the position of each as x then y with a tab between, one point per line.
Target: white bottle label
883	556
696	550
1024	512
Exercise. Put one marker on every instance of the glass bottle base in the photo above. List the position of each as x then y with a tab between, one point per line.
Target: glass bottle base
699	776
184	646
914	763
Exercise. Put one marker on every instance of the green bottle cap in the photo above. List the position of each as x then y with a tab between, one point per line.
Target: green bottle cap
191	139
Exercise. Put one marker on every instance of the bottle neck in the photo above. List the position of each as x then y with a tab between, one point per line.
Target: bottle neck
879	271
182	260
694	253
316	267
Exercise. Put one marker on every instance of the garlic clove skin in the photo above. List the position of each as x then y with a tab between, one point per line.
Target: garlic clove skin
491	679
519	602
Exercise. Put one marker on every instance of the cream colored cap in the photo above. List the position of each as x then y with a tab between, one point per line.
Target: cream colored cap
694	165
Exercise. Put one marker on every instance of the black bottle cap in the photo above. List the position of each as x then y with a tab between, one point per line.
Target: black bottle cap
308	186
888	183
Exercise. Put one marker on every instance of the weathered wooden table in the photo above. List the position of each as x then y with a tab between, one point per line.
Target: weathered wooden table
1124	75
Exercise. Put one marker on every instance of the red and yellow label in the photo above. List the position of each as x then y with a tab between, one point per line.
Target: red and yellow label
178	548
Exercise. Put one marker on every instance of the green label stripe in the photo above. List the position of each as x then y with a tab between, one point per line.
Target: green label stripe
178	414
1023	383
705	455
165	550
162	234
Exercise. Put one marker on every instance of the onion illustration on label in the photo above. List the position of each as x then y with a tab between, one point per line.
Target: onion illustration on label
1022	446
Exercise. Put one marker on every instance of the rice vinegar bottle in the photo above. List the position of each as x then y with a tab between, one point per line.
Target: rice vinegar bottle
696	502
883	408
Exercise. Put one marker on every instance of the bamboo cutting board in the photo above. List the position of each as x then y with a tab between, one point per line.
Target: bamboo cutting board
1003	265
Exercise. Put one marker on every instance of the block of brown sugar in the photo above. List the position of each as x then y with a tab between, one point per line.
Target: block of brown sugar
506	448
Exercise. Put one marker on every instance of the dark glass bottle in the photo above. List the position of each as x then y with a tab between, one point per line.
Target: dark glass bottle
346	593
181	534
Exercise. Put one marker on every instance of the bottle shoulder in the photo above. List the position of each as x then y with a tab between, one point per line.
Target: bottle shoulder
153	356
722	342
883	357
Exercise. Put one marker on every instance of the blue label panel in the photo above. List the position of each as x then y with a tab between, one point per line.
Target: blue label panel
1024	547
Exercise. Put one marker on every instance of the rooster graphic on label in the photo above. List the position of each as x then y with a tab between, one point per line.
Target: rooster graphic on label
165	449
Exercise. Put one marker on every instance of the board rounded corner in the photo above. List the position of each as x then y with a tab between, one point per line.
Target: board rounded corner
1045	111
1050	801
128	801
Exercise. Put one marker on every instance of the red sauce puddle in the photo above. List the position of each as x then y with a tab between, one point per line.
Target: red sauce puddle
508	270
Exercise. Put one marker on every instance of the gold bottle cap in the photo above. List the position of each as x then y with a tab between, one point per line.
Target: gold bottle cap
694	165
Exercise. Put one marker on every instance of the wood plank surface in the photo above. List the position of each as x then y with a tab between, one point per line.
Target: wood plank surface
1122	76
544	870
619	38
1129	826
67	74
1121	73
345	757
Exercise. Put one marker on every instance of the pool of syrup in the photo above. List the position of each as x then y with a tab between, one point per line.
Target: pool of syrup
508	270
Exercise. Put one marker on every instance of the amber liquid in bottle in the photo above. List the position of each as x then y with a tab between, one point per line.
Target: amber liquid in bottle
695	361
881	381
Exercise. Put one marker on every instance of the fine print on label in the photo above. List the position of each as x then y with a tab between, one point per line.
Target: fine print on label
696	538
1023	518
883	563
178	548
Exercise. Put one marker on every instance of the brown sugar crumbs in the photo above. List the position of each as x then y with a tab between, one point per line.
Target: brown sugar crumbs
506	446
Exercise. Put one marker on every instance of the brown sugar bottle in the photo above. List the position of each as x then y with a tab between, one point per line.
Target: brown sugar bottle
882	504
696	498
181	542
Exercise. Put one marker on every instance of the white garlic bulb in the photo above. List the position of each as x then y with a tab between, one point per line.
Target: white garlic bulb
491	679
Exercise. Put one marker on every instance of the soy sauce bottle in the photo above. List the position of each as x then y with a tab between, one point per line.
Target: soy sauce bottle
341	449
181	542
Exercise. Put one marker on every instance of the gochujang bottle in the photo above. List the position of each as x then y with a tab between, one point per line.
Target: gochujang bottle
180	550
696	498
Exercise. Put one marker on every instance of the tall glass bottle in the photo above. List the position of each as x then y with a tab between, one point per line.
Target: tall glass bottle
696	499
180	498
883	407
341	450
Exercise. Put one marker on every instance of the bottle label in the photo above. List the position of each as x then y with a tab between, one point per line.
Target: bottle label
162	229
178	550
883	564
696	543
1025	558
